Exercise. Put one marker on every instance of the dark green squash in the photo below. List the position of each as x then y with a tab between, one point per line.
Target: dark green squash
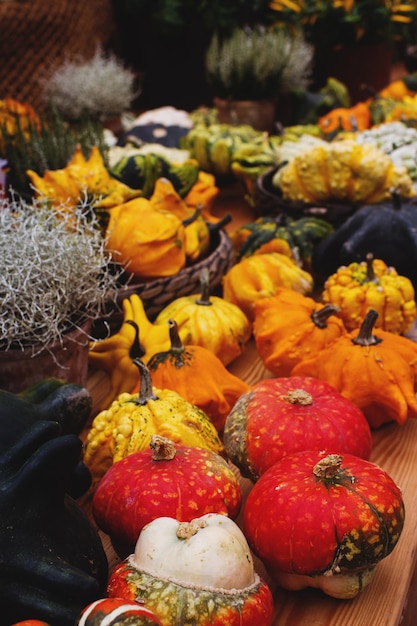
388	231
302	234
52	562
68	405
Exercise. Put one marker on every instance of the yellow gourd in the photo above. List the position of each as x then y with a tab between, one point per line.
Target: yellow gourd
82	178
343	171
128	425
148	242
209	321
261	276
196	230
372	284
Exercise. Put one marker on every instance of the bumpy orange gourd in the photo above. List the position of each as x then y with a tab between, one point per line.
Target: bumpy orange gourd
261	276
198	375
290	327
372	284
375	370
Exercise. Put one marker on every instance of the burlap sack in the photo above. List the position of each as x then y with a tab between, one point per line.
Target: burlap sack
36	36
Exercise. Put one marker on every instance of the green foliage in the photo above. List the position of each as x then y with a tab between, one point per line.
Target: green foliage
257	63
171	17
48	146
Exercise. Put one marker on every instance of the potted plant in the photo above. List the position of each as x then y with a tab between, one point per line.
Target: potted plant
249	70
354	41
100	87
166	40
55	280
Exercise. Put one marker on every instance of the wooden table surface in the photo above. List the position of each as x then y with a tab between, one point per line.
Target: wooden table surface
391	598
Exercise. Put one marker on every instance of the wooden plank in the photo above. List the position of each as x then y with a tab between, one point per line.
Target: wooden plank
387	600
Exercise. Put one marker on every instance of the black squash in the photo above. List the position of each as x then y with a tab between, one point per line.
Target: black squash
388	231
52	562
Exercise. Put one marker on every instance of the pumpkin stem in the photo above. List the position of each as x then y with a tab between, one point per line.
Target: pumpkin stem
327	468
320	317
365	336
299	396
145	387
216	226
204	298
177	347
186	530
189	220
136	349
370	274
163	448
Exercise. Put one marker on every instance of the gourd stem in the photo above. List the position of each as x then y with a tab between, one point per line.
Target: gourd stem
136	349
163	449
328	467
299	396
189	220
320	317
365	336
145	387
177	347
204	298
370	274
216	226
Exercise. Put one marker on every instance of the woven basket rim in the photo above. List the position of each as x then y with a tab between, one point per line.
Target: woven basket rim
158	292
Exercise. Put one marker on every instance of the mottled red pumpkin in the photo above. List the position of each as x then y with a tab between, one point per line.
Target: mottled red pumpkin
116	611
178	481
31	622
331	519
279	416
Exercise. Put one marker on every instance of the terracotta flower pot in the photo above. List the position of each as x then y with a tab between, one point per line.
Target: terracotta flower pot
260	114
66	359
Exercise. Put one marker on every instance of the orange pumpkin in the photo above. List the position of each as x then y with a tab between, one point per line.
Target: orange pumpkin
375	370
183	368
290	327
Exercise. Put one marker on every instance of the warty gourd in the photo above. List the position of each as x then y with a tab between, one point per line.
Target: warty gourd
343	171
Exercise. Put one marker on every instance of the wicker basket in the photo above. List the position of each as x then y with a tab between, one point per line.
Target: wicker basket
156	294
268	201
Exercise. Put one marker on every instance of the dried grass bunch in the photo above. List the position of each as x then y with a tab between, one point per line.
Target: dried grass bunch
54	272
258	63
101	86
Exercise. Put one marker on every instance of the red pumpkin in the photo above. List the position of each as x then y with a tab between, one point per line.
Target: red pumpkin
31	622
279	416
331	519
170	479
116	611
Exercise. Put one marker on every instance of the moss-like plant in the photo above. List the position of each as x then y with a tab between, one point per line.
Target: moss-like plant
46	145
54	272
258	63
101	86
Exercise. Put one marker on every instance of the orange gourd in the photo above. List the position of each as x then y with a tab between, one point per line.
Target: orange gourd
183	368
357	117
290	327
377	370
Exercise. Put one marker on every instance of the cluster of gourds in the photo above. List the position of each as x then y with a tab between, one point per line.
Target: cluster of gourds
150	232
176	427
